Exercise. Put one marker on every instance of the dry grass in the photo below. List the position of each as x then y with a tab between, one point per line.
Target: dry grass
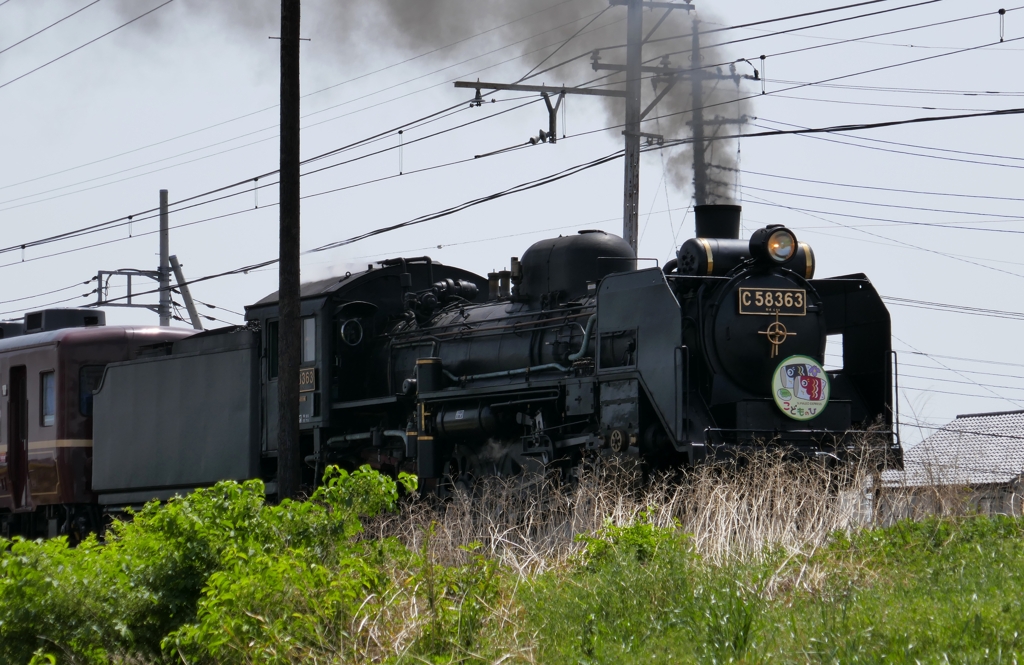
734	511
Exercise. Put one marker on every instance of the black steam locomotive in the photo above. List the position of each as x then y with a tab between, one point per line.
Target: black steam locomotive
572	354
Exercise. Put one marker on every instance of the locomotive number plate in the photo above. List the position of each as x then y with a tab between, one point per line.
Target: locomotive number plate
769	302
307	380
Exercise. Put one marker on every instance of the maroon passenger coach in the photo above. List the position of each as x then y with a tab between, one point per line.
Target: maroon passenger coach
48	372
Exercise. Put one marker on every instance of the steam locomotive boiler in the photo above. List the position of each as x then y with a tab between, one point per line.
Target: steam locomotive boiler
586	354
572	354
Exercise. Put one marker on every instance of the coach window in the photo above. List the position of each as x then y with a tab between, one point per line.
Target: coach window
271	349
48	398
309	339
89	378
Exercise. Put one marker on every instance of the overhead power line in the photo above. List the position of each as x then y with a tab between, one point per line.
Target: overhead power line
881	189
125	220
835	78
178	205
989	218
958	309
308	115
906	90
983	361
522	187
796	16
896	222
848	128
76	285
39	32
79	48
911	145
787	31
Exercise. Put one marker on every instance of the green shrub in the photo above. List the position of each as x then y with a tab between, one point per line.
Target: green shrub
165	576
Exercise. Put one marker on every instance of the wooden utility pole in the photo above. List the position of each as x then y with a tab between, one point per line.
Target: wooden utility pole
288	454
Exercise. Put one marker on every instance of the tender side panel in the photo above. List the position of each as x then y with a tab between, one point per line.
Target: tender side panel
183	420
639	325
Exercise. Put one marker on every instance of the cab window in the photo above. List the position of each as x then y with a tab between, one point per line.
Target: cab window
309	339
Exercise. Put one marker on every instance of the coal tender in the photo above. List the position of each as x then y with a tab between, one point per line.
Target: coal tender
572	355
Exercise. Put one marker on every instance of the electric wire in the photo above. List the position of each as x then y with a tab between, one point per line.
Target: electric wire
905	244
969	383
770	133
1005	376
983	361
909	145
51	304
818	25
963	376
39	32
79	48
889	222
849	102
563	44
76	285
770	34
243	211
516	189
885	205
907	90
958	309
834	78
458	108
883	189
886	124
305	116
177	206
776	20
274	106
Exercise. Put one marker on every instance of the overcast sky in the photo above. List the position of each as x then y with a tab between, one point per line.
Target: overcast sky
185	99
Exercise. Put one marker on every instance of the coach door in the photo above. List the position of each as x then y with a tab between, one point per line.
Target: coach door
17	434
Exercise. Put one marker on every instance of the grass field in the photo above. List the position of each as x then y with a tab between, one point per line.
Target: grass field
766	564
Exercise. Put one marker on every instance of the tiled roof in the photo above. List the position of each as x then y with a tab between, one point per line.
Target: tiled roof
975	449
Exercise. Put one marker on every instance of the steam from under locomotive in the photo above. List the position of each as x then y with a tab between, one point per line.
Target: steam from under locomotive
358	31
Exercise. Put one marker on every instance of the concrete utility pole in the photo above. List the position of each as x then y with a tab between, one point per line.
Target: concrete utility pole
186	294
288	454
634	60
164	269
700	166
634	70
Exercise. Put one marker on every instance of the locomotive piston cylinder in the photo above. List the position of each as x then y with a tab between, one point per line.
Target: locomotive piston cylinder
462	420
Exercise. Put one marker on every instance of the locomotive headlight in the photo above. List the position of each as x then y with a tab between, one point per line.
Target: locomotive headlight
781	245
774	243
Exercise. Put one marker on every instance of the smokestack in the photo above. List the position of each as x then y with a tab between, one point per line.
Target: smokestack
718	221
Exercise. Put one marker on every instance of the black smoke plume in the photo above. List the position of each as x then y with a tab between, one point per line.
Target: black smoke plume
347	31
